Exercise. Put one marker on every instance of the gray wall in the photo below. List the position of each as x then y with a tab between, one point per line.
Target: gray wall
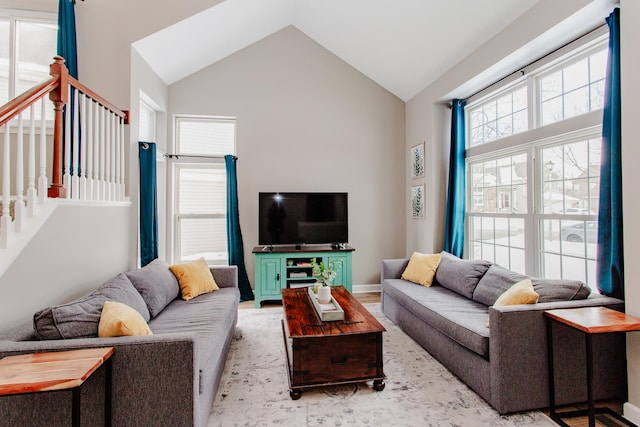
307	121
630	34
68	257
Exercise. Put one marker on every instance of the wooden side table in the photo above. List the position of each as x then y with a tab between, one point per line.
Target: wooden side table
590	321
37	372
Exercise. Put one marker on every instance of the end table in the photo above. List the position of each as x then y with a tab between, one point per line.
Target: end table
590	321
50	371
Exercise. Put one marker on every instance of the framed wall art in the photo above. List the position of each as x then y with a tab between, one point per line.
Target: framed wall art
417	201
417	161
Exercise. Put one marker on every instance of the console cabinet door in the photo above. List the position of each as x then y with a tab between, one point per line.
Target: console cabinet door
342	268
270	277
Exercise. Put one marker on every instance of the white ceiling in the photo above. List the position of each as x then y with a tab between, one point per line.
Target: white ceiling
403	45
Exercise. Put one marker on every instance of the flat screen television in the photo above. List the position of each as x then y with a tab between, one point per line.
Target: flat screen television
302	218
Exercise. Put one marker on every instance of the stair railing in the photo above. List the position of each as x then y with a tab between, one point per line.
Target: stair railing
88	153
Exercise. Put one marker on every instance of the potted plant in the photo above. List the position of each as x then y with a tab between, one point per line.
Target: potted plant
324	275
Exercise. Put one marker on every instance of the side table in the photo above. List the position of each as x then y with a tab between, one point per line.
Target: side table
51	371
589	321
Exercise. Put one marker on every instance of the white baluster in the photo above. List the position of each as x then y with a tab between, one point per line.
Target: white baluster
108	147
103	132
116	158
83	148
5	220
19	206
42	179
32	194
112	156
75	154
88	133
122	148
96	152
66	166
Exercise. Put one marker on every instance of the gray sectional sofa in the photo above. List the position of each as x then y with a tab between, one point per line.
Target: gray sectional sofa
506	362
166	379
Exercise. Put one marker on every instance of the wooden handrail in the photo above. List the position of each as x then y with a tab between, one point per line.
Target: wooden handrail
84	89
24	101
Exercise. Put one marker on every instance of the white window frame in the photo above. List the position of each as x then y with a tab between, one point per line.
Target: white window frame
177	161
577	128
14	15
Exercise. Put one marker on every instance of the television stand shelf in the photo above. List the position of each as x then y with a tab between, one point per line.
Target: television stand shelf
289	266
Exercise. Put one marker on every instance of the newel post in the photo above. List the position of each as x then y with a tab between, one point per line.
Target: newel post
59	97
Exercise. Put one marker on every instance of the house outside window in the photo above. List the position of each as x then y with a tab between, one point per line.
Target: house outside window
27	47
199	188
533	180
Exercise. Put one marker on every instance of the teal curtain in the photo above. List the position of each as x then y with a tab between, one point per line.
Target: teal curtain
610	260
67	47
148	203
456	202
234	234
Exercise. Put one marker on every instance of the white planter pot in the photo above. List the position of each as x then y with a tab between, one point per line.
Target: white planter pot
324	294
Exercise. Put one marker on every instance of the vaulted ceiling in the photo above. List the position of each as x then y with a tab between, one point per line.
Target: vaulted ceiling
403	45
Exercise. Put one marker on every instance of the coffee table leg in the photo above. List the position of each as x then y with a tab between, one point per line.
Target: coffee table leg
378	385
108	392
295	394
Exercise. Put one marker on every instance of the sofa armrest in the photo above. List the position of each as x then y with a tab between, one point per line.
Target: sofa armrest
518	355
226	276
392	268
155	382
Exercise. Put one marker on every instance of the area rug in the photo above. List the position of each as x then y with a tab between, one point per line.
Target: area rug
419	391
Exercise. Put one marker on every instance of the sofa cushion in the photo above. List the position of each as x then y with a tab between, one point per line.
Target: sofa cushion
421	268
459	318
460	275
120	320
80	318
551	290
498	279
194	278
156	283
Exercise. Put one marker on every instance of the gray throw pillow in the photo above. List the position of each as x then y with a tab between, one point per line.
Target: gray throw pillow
551	290
156	283
498	279
79	319
494	283
460	275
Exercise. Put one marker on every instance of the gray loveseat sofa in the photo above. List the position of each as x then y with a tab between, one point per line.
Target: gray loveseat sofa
506	362
166	379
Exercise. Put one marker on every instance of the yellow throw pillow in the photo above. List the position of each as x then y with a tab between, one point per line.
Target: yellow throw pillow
421	268
120	320
194	278
519	293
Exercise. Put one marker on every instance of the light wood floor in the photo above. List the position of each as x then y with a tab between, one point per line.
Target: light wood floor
373	297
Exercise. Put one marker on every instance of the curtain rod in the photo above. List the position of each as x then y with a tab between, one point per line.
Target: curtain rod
177	156
522	69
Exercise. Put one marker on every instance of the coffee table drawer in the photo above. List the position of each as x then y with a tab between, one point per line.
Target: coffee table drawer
335	359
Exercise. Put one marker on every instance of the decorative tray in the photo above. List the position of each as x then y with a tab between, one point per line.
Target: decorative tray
328	312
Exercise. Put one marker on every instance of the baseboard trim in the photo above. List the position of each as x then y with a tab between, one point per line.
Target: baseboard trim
361	289
631	412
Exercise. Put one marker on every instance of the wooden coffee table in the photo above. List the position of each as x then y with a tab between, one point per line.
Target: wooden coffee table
326	353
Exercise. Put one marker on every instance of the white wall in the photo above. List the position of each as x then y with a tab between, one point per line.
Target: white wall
145	80
307	121
68	257
630	62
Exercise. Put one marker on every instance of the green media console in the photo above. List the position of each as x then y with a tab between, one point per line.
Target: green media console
280	267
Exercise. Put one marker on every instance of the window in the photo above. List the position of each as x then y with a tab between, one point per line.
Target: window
533	191
200	188
27	48
147	125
